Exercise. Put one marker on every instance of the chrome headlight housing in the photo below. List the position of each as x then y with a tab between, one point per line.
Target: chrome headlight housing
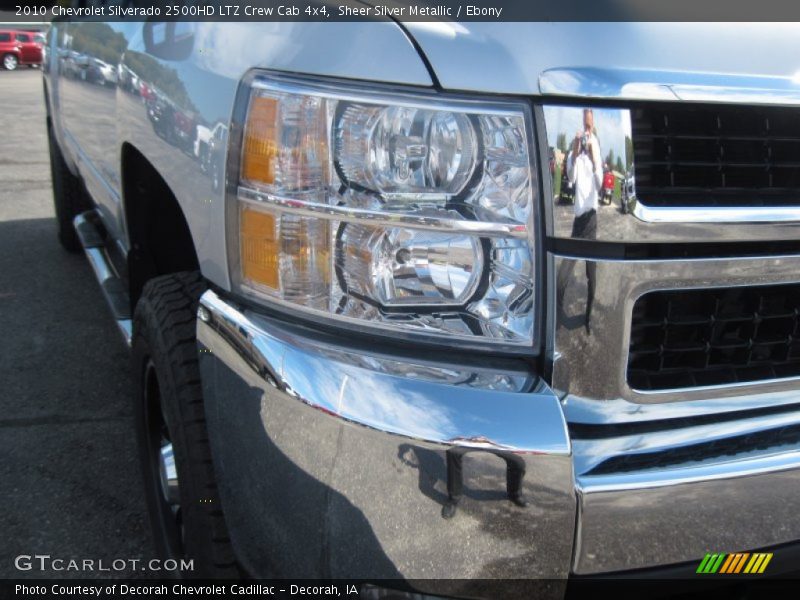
405	213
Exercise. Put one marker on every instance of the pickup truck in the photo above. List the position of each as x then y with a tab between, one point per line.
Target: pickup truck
383	340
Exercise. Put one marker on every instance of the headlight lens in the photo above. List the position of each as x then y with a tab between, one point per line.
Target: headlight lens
395	150
396	211
398	266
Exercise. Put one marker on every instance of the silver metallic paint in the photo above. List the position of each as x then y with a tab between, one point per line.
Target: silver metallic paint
102	119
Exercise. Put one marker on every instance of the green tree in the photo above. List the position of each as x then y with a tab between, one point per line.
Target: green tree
561	142
628	153
98	40
609	159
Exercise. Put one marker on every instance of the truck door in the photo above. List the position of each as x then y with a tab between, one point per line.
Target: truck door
88	95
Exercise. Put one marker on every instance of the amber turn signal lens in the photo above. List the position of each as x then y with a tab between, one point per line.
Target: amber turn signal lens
259	247
260	141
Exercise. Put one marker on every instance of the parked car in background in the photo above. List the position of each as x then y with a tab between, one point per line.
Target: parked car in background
101	72
628	192
32	44
20	48
215	159
209	149
72	64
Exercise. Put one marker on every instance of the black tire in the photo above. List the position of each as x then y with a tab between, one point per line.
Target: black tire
165	348
68	196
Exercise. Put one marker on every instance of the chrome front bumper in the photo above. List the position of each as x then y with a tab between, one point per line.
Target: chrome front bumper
333	462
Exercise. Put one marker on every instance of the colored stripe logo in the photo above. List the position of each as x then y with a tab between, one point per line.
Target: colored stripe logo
739	562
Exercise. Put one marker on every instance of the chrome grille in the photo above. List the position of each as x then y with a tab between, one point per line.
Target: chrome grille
719	336
680	455
716	155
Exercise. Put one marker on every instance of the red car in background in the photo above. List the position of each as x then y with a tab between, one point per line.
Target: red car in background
20	48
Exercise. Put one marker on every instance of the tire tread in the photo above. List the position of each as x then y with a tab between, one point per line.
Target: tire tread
166	316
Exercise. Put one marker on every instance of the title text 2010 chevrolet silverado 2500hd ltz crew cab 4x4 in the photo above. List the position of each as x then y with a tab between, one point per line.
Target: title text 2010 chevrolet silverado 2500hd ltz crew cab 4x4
389	323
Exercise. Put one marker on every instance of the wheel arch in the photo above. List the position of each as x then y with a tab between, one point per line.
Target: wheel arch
160	240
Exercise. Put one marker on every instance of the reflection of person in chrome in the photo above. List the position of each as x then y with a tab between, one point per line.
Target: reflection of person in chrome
585	172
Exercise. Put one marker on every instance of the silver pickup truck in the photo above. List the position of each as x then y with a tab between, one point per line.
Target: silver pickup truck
431	300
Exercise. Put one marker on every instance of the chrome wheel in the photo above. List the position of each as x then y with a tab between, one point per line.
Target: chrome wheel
162	465
10	62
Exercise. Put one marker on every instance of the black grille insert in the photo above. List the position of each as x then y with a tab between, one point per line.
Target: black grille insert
718	336
716	155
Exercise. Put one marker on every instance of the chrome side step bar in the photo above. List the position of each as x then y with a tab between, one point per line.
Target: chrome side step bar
114	289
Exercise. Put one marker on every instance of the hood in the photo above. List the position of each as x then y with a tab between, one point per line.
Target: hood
509	58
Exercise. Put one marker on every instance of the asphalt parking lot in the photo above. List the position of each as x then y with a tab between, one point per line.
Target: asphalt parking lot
70	486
